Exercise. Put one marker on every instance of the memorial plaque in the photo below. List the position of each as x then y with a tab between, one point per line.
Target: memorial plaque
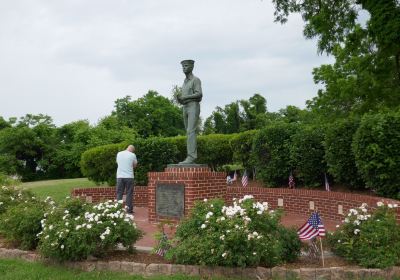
170	200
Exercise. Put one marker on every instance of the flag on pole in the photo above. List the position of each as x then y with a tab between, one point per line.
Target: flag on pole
327	187
312	228
292	184
163	245
245	179
234	177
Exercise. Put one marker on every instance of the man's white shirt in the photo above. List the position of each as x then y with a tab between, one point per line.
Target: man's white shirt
125	161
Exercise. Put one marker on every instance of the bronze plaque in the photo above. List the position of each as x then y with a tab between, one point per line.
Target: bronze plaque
170	200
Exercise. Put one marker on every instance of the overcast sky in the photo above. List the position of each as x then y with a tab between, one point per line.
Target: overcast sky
71	59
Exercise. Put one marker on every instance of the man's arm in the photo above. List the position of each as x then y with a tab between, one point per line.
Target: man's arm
134	163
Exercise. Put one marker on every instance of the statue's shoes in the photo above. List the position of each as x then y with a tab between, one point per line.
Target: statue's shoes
188	160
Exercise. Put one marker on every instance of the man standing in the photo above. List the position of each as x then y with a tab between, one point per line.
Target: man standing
126	161
190	98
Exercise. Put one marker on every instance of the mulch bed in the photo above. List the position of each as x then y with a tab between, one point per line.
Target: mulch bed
138	257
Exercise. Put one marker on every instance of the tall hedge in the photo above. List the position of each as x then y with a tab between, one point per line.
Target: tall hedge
272	152
98	164
242	148
214	150
153	155
307	155
339	155
376	148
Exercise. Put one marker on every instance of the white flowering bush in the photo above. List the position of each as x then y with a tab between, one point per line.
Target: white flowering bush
6	180
75	230
10	196
247	233
369	239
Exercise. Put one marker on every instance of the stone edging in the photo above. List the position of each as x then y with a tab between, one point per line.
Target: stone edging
259	273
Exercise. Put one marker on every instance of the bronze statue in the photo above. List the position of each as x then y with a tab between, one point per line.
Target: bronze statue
190	98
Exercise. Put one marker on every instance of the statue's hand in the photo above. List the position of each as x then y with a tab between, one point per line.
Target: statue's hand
179	98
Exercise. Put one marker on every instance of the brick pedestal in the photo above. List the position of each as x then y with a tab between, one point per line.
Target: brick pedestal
199	183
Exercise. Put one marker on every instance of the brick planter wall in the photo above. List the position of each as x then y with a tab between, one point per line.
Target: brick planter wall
199	182
298	201
97	194
331	205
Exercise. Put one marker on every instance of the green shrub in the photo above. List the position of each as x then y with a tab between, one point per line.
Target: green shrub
11	196
272	152
376	149
153	155
214	150
6	180
21	223
76	230
245	234
180	143
369	240
307	155
339	155
99	165
242	148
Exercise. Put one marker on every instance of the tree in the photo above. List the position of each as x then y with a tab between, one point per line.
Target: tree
293	114
358	82
238	116
4	123
26	145
150	115
366	74
254	110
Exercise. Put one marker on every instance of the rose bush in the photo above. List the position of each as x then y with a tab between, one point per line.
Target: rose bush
75	230
10	196
368	239
245	234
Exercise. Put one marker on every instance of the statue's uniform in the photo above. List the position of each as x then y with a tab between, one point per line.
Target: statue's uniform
191	112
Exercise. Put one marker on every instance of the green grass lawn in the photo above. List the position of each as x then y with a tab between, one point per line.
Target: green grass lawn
18	269
57	189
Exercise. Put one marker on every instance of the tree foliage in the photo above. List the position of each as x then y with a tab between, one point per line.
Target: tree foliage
376	149
238	116
307	155
339	155
150	115
366	74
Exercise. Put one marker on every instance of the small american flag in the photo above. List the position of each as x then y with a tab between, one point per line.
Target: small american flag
327	187
292	184
163	245
312	228
245	179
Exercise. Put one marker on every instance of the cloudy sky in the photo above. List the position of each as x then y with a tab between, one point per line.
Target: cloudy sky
71	59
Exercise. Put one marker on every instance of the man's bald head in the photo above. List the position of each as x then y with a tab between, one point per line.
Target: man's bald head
131	148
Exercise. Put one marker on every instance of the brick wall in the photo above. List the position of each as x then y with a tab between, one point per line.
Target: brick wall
97	194
331	205
199	182
298	201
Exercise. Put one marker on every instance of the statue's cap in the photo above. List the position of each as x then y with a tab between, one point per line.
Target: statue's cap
187	61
